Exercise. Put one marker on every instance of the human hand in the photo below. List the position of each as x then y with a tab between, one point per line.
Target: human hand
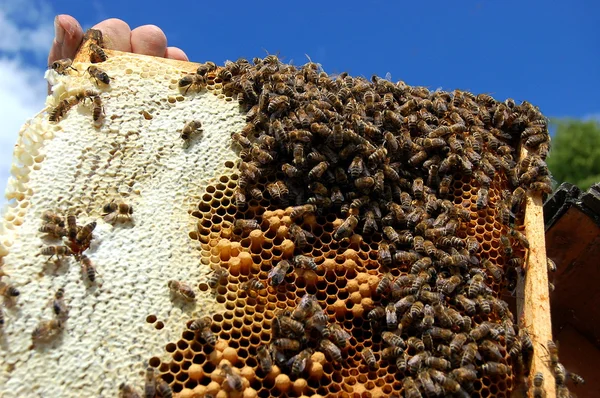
146	39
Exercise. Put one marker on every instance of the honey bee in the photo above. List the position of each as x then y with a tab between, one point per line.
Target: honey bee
391	317
464	374
576	378
194	81
411	390
252	284
88	268
46	330
58	251
190	128
97	54
278	273
506	245
98	75
458	341
467	304
53	230
246	225
305	262
208	336
369	358
182	289
114	210
60	110
346	228
264	359
127	391
318	170
163	388
378	156
62	65
97	110
85	233
287	344
331	350
482	198
51	217
520	237
149	383
299	362
217	276
200	323
72	226
494	368
301	211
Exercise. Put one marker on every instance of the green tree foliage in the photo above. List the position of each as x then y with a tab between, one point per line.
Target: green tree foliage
575	154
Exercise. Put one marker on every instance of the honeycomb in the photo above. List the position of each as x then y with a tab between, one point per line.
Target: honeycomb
336	170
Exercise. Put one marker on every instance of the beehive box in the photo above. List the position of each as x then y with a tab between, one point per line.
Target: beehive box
370	181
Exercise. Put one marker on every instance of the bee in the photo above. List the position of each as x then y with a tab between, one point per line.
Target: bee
410	388
491	349
467	304
97	109
378	156
217	276
71	226
264	359
208	336
88	268
252	284
246	225
494	368
85	234
163	388
438	363
190	128
299	361
520	237
53	230
470	352
97	54
127	391
200	323
339	335
240	198
376	313
476	285
538	386
318	170
98	75
194	81
287	344
331	350
305	262
416	344
278	273
114	210
58	251
496	271
182	289
61	109
301	211
291	171
300	236
480	331
149	383
482	198
576	378
346	228
444	187
464	374
418	158
385	257
393	339
62	65
458	341
506	245
51	217
415	363
391	317
206	68
46	330
369	358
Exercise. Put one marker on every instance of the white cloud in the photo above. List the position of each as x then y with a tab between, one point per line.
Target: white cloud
26	27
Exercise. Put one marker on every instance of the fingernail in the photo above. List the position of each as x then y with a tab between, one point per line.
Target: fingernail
59	32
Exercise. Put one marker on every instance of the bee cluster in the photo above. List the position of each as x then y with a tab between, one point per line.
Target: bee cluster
426	186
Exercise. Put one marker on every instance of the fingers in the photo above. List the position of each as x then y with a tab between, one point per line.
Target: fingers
149	40
175	53
68	36
116	34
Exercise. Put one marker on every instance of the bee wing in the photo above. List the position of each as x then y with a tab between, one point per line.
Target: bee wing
110	217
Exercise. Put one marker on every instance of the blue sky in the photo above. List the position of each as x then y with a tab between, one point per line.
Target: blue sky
545	52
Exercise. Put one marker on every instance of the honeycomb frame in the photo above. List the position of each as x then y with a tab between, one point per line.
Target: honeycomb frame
344	283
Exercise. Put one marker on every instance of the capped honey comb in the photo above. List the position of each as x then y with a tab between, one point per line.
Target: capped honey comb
394	212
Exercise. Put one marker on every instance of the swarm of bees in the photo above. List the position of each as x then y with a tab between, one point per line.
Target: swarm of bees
385	157
76	240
